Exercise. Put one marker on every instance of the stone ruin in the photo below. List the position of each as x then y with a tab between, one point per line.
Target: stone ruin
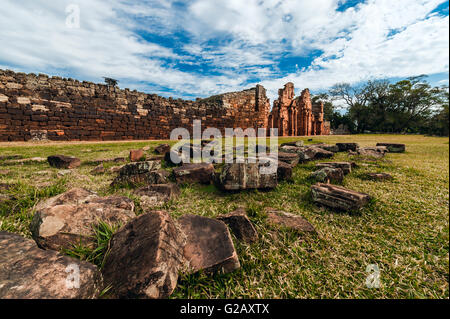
297	116
38	107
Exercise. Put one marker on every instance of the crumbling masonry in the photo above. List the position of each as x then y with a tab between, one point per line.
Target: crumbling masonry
37	106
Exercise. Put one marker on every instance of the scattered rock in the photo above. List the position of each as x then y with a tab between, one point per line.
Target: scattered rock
344	147
295	143
209	246
307	153
238	176
98	170
394	147
379	176
240	225
136	173
61	161
328	147
156	195
145	257
154	158
328	175
375	152
67	219
194	173
288	220
28	272
115	169
338	197
345	166
162	148
290	158
4	171
136	155
146	148
284	171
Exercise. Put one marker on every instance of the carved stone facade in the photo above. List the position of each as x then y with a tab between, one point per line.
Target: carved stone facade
297	116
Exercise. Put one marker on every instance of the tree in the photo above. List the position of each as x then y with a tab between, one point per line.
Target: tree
110	81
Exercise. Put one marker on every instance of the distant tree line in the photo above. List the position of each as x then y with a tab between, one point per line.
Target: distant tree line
407	106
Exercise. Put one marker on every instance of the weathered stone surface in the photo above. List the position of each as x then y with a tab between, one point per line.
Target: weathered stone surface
375	152
328	147
394	147
307	153
338	197
137	155
379	176
288	220
209	246
328	175
295	143
238	176
145	257
67	219
284	171
61	161
100	169
194	173
162	148
156	195
136	173
344	147
28	272
290	158
345	166
240	225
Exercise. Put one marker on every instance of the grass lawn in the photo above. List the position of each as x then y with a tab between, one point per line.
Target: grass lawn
404	231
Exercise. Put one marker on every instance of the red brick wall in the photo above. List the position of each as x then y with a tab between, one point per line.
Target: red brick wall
66	109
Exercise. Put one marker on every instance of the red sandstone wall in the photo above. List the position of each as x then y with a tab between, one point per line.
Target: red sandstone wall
67	109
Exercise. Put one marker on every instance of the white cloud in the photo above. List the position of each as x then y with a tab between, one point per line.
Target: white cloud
237	40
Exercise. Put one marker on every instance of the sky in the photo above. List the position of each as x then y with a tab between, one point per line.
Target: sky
198	48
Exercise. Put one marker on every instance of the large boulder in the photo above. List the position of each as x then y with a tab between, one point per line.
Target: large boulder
68	219
394	147
137	173
344	147
156	195
28	272
145	257
194	173
338	197
62	161
328	175
328	147
288	220
239	176
209	246
240	225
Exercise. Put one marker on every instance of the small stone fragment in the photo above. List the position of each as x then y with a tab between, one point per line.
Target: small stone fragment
240	225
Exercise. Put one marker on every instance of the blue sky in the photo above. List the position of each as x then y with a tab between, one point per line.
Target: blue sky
198	48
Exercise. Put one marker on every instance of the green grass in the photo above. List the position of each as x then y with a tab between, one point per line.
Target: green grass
405	229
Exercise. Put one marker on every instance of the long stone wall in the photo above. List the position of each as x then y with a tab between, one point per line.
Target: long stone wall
38	106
